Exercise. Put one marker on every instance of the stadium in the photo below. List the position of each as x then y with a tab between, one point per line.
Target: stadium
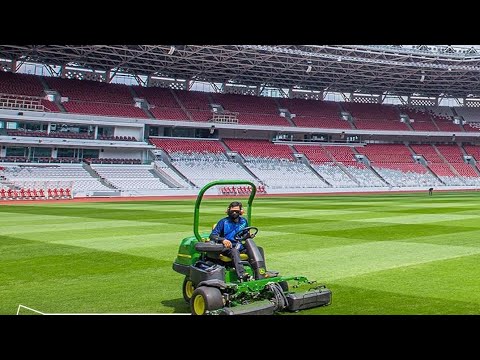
104	149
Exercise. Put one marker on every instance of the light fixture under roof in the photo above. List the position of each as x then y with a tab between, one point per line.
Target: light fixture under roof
309	68
172	50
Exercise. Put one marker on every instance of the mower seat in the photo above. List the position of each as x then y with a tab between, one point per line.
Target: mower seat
222	257
225	258
213	251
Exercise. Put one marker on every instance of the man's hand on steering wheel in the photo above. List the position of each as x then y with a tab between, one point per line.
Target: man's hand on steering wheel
245	233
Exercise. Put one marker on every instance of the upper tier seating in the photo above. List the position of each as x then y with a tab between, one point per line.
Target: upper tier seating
188	146
259	148
105	109
375	116
383	153
20	84
91	91
315	113
252	110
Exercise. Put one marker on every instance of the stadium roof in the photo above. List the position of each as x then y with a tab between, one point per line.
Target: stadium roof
376	69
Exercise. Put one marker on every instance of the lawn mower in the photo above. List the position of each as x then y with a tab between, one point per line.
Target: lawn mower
211	285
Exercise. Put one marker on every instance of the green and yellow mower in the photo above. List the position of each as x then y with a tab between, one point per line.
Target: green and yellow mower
211	286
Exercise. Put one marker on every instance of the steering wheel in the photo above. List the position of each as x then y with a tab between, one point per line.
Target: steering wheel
245	234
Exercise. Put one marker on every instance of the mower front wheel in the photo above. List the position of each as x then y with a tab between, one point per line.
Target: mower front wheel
205	298
187	289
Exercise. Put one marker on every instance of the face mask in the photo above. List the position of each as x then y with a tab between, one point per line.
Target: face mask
233	214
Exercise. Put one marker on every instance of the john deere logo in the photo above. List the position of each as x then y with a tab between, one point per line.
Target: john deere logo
261	271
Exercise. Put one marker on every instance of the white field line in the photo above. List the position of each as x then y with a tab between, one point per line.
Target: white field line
39	312
26	307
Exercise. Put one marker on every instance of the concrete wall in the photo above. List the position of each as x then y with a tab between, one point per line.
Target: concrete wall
116	153
128	131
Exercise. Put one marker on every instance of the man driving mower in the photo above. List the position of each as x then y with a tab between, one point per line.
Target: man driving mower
224	233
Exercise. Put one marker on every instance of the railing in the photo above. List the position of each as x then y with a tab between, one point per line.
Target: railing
241	190
226	117
21	102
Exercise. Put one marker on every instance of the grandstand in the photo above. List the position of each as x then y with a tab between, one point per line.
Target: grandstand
77	128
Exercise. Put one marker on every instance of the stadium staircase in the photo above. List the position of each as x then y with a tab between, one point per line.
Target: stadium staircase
464	152
410	126
368	165
447	162
167	179
181	105
240	160
305	161
380	176
133	92
424	163
407	114
288	116
210	98
164	177
135	95
95	175
148	112
350	118
345	170
44	83
57	101
435	175
341	166
410	149
60	106
351	121
167	160
227	149
454	112
475	169
435	123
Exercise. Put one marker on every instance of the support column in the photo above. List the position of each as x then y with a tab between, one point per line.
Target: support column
62	71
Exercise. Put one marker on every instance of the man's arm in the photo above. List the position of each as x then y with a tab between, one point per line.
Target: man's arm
215	235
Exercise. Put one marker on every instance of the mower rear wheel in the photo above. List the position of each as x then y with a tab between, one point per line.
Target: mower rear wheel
187	289
205	298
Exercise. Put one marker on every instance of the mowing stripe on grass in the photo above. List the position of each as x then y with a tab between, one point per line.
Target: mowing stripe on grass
387	254
330	264
418	218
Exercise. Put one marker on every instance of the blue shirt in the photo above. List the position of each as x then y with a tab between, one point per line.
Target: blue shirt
227	228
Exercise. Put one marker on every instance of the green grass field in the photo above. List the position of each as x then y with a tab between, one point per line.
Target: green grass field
379	254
